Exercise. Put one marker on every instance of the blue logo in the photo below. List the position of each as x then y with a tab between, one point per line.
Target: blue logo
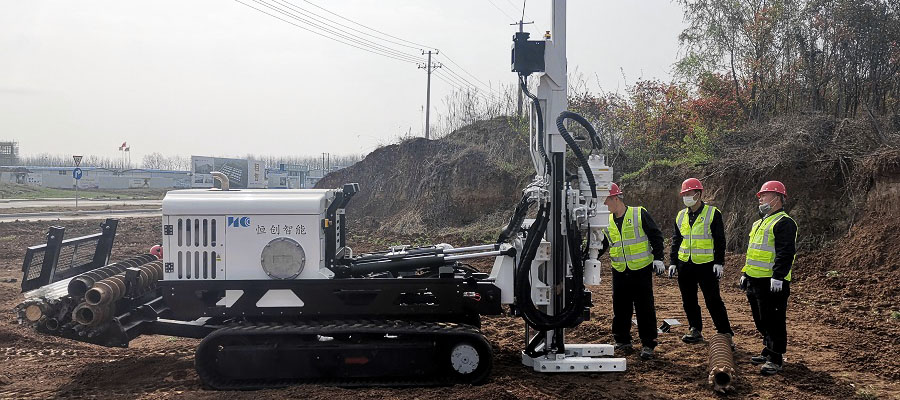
238	222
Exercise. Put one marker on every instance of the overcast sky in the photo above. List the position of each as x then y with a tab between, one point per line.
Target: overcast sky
218	78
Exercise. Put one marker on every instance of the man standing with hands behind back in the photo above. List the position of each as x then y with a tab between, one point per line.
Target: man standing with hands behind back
698	256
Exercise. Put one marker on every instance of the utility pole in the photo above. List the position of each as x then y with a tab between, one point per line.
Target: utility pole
428	68
521	25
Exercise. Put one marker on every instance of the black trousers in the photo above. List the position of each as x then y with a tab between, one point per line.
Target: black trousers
691	275
633	290
770	316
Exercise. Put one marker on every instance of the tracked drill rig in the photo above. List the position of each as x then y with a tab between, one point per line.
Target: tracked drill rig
268	282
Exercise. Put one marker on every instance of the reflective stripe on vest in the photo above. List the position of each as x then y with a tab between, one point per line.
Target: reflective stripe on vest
761	249
630	247
697	241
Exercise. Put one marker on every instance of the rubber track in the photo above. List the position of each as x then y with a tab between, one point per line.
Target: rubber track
330	328
122	353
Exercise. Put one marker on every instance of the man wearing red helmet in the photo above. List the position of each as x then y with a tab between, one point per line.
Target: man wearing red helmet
698	254
634	242
767	274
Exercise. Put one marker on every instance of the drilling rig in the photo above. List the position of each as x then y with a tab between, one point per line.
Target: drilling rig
267	281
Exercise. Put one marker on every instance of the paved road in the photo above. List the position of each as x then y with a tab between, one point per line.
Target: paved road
71	216
16	203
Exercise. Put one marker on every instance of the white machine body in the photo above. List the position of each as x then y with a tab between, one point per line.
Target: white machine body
247	234
597	218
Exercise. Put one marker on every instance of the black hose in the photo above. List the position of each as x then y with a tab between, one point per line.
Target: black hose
561	126
540	121
515	223
596	143
573	310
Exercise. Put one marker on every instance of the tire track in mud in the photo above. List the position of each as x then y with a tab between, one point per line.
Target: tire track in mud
88	393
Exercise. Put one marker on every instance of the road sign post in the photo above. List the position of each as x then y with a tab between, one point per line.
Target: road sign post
76	173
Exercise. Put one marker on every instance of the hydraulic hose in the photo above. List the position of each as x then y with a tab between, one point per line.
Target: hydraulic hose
596	143
516	222
574	307
540	120
561	126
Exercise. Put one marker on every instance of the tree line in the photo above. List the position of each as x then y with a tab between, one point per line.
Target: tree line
840	57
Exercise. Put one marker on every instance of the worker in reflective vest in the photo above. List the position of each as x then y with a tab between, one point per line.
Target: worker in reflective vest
634	242
698	258
767	274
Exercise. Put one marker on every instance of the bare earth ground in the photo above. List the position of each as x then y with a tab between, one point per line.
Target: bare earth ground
838	348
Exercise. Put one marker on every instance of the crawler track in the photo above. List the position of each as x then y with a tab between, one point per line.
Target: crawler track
344	353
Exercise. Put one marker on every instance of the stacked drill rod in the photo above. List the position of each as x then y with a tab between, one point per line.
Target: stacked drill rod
80	284
50	307
721	363
100	300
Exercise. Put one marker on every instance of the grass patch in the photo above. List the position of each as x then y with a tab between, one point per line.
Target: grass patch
866	394
833	274
652	164
895	315
15	191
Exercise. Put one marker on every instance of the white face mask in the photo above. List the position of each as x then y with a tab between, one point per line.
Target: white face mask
764	208
688	201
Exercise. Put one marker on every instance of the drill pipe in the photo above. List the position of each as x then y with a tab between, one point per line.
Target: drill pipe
91	315
81	283
109	290
721	362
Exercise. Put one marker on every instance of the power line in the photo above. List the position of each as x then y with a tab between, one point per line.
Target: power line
342	34
464	70
501	10
489	90
324	35
314	23
422	46
306	11
515	7
450	80
363	48
455	83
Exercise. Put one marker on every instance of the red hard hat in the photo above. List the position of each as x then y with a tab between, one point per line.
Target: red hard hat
691	184
157	251
772	186
614	190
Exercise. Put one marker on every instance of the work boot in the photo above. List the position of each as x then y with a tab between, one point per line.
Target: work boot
624	348
693	337
758	359
770	368
646	353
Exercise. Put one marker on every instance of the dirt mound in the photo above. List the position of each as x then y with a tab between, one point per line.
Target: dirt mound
433	186
830	169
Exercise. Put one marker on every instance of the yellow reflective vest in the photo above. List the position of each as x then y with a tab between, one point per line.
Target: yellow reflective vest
628	247
761	250
697	241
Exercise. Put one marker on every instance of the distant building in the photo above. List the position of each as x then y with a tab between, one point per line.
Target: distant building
9	153
96	177
241	173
